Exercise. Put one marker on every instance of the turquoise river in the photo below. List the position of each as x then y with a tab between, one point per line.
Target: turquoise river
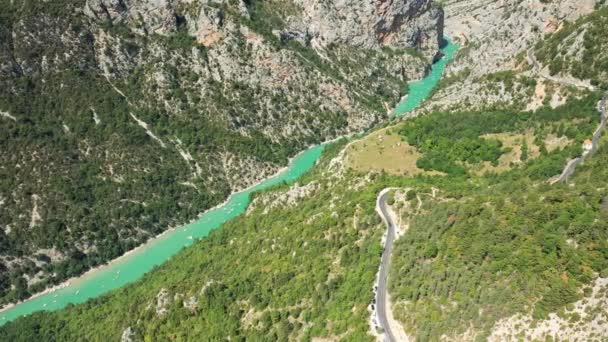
135	264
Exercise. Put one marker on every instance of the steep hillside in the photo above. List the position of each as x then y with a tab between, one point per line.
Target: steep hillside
189	100
496	64
301	263
123	118
515	244
295	266
579	49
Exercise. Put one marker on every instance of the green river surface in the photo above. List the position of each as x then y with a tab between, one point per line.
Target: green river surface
136	263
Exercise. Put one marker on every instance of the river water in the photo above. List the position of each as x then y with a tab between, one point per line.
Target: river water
135	264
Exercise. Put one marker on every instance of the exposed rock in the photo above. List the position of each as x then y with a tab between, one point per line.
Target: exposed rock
35	217
208	26
301	37
127	335
162	301
7	116
170	70
106	9
191	303
492	34
206	286
501	29
583	320
146	16
288	198
371	24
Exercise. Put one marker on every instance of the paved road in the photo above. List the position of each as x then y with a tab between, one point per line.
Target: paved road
384	267
568	170
572	164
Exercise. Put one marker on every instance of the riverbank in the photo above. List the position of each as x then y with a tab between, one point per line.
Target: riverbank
229	207
134	264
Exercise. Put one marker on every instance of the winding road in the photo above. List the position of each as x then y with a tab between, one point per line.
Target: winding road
381	294
384	267
572	164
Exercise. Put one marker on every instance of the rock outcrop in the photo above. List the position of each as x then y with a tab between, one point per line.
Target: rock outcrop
174	104
146	16
501	29
371	23
127	335
494	37
361	23
162	301
106	9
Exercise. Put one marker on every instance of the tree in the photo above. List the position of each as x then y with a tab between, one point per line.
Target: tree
524	150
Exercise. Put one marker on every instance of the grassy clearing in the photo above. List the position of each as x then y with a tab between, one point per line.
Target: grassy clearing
383	150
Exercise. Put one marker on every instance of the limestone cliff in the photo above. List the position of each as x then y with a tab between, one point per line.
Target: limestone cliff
121	118
372	23
497	40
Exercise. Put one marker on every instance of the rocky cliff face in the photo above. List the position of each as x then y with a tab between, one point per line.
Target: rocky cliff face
360	23
502	29
372	23
121	118
495	37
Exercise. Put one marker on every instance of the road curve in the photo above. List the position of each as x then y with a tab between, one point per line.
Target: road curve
381	308
572	164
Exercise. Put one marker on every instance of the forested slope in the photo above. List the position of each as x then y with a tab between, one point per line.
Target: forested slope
121	119
513	243
301	262
279	271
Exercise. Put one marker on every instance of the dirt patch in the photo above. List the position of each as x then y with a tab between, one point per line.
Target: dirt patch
539	96
209	39
396	326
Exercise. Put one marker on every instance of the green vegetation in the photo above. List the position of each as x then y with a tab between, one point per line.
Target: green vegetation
100	185
127	188
377	86
511	81
485	248
512	245
489	246
450	141
524	151
453	79
307	272
589	59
